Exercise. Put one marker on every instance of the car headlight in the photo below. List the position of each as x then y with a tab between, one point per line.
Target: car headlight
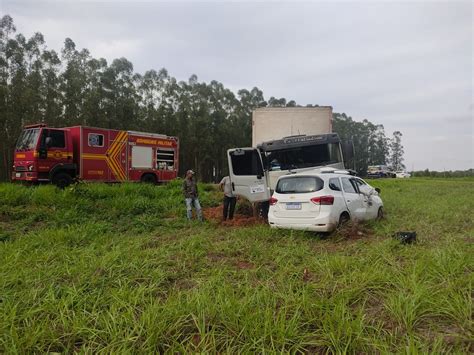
31	167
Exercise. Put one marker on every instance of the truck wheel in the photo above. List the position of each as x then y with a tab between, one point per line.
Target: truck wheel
148	179
62	180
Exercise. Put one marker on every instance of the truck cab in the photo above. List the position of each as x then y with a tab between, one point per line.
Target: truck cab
44	154
254	171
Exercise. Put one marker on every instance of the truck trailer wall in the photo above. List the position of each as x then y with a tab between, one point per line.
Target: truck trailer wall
272	123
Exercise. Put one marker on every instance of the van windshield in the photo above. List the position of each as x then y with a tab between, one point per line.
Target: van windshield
28	139
304	157
299	184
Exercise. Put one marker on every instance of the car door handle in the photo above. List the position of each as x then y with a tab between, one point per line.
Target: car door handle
233	187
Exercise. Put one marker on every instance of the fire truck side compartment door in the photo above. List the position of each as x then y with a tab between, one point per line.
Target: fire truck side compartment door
247	174
142	157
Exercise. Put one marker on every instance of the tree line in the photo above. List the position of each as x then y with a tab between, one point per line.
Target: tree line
444	174
72	87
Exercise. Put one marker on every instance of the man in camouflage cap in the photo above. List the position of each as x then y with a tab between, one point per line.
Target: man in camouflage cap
190	191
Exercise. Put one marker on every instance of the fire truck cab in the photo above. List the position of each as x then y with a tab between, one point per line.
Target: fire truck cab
61	155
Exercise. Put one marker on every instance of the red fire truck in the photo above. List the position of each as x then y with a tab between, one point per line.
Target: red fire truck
61	155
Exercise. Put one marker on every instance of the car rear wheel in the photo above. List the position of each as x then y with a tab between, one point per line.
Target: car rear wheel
343	219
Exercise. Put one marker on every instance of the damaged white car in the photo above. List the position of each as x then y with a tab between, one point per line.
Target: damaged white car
322	201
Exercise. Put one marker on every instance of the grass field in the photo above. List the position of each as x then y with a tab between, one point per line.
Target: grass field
116	268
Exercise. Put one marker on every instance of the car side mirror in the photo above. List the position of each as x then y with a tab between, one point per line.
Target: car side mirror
48	141
377	189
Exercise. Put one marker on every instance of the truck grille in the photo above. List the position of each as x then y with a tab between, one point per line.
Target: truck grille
20	168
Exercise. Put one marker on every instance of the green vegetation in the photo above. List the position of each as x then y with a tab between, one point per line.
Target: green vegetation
116	268
444	174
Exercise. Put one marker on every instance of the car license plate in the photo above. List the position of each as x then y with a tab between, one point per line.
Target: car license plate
293	206
18	175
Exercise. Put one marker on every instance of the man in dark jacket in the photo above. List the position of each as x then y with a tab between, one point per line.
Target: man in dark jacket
229	198
190	191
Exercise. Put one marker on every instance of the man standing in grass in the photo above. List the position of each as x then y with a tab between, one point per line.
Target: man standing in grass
229	198
190	191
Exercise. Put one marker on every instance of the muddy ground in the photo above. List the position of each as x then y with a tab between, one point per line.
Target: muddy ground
241	217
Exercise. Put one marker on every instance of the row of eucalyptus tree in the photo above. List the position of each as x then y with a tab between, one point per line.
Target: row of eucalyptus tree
72	87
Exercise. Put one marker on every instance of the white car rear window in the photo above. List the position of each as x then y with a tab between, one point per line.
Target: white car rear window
299	184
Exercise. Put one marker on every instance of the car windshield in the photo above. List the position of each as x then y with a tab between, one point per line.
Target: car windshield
304	157
299	184
28	139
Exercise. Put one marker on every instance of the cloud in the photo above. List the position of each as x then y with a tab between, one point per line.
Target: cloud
109	49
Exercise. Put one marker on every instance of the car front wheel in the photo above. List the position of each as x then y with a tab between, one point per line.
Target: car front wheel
380	214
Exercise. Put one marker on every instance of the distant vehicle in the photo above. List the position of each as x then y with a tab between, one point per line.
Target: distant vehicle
61	155
380	171
402	174
321	202
285	139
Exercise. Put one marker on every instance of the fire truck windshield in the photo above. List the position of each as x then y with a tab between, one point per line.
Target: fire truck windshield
304	157
28	139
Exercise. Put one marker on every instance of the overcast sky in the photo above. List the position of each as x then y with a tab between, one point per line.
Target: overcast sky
406	65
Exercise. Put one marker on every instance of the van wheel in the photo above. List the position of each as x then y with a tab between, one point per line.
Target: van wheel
380	214
343	219
62	180
148	179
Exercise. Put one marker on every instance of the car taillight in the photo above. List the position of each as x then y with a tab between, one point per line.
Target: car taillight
273	201
323	200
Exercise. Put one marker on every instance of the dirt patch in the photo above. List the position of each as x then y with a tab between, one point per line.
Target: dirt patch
196	339
468	240
216	257
184	284
307	275
230	260
239	220
352	231
240	264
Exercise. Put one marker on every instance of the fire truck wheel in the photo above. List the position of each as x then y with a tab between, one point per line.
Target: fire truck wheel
148	179
62	180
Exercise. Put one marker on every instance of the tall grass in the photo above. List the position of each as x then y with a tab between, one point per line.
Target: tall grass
117	268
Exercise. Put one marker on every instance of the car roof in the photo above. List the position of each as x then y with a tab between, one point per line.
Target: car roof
322	175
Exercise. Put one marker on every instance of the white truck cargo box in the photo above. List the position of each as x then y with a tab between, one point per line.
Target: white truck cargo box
271	123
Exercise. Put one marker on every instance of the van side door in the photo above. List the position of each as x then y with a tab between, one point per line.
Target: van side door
247	174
